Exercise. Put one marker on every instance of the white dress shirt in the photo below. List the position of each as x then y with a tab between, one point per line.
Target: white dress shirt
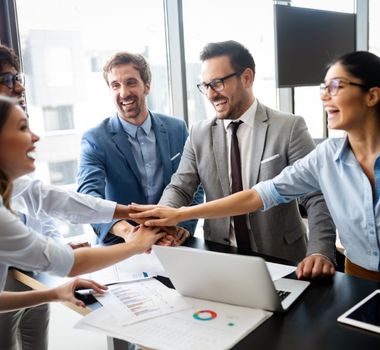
23	248
41	201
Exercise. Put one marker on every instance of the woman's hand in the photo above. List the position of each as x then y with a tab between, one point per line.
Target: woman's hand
144	237
155	215
66	291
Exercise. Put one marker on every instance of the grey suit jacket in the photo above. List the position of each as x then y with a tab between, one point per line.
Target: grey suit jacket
279	140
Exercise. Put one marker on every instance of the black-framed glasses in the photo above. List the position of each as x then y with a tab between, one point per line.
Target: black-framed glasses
335	84
10	79
217	84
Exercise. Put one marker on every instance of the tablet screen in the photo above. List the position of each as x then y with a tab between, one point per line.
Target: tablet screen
369	312
365	314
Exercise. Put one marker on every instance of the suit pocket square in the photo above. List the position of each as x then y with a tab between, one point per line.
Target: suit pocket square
266	160
175	156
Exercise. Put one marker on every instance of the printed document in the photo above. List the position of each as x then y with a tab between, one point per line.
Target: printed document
202	325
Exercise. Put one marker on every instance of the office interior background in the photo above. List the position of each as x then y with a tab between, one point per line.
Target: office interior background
64	44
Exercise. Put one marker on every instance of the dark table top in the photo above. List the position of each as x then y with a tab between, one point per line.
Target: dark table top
311	322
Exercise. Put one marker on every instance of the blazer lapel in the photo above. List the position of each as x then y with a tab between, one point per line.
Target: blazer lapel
120	139
259	137
219	144
162	139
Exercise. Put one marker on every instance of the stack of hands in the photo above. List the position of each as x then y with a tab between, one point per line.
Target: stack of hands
173	235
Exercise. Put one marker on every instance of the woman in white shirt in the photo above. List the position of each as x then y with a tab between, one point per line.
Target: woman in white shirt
23	248
346	170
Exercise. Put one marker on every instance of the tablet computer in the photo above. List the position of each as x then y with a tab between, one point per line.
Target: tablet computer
365	314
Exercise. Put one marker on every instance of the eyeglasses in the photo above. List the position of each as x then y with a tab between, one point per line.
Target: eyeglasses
217	84
10	79
335	84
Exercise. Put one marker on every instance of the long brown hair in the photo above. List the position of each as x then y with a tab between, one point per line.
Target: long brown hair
6	105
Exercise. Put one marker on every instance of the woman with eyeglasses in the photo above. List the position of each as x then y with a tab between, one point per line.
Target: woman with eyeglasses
346	170
23	248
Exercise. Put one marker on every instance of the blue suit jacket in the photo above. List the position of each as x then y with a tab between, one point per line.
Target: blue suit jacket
108	169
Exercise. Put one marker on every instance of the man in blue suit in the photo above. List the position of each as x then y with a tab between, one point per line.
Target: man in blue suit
131	156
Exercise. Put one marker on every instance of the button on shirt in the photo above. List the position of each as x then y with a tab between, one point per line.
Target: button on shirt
333	169
245	139
147	157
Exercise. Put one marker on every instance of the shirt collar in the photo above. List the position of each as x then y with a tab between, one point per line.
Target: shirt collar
131	129
344	152
247	117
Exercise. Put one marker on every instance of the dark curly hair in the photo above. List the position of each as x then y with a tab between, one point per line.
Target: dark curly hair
6	105
8	56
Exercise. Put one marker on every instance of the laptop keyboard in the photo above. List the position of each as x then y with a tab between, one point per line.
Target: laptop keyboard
282	294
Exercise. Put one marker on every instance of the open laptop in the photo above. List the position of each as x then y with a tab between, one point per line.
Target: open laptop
227	278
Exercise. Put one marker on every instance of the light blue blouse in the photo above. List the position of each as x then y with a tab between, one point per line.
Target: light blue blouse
333	169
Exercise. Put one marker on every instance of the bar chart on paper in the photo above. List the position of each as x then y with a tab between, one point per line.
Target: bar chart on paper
137	301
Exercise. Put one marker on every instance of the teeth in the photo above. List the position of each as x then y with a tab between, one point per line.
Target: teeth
331	110
32	154
126	103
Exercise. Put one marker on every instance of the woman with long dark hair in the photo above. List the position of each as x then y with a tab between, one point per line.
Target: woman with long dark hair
23	248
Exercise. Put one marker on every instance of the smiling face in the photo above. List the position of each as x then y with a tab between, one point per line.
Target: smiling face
348	109
128	93
17	145
236	96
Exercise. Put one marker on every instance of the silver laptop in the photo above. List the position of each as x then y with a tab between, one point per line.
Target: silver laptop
227	278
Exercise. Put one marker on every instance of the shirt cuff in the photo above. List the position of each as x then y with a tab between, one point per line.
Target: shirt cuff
268	194
106	210
60	256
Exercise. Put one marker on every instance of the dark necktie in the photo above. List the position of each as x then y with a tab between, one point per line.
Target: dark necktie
240	223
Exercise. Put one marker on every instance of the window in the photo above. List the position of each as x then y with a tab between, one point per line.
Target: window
63	173
64	46
374	27
250	23
58	118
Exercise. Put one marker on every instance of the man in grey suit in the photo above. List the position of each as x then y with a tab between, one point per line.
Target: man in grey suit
268	141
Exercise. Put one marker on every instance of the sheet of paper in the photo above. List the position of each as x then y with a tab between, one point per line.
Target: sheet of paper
138	301
206	325
278	271
134	268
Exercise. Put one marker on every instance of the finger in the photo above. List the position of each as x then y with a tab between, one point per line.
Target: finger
143	214
165	243
306	268
317	267
140	207
89	284
77	302
156	222
167	239
328	269
299	270
159	236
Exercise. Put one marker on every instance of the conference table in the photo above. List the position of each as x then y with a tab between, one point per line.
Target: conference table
310	323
